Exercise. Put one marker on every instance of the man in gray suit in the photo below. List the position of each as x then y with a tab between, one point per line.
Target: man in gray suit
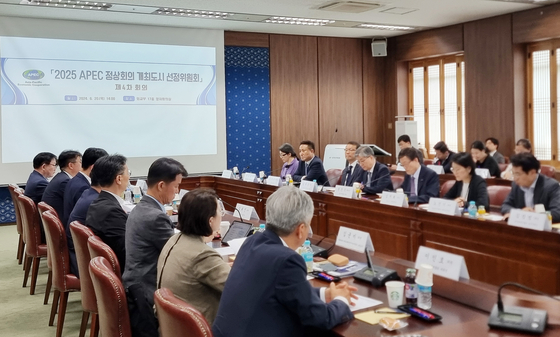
147	230
531	188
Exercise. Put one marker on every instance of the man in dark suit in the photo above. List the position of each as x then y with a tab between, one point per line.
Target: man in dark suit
531	188
492	144
376	177
81	182
353	172
44	166
420	183
267	293
310	167
148	229
405	143
444	156
106	216
70	163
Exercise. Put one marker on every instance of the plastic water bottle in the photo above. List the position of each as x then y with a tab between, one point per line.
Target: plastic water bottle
261	228
473	211
424	296
128	195
137	194
307	254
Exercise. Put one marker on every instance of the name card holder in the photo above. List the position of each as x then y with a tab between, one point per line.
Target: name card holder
437	168
250	177
247	212
394	199
274	181
345	192
451	266
482	172
308	186
443	206
354	239
227	174
529	220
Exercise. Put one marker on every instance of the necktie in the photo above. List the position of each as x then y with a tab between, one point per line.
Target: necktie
369	179
412	187
306	167
348	176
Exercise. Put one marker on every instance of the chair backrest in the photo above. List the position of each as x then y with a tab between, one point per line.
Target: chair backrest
428	161
43	207
80	235
97	247
177	318
446	187
15	191
397	181
334	176
548	170
111	299
503	167
497	194
57	246
31	224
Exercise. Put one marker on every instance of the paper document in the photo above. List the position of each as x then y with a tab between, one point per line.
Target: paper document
372	317
225	251
236	244
364	302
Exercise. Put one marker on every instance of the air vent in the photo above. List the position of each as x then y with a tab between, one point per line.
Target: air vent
349	6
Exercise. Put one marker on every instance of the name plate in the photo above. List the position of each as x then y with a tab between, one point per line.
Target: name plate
247	212
353	239
530	220
443	206
227	174
437	168
250	177
345	192
273	181
394	199
308	186
483	172
445	264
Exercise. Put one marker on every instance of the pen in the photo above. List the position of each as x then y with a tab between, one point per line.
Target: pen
389	312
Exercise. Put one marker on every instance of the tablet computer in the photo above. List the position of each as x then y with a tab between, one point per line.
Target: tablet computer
237	230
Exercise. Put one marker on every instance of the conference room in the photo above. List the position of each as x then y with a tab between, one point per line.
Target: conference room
227	89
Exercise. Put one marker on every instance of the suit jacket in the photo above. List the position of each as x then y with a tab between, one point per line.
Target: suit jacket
194	272
446	163
428	186
267	294
107	219
35	186
499	158
54	193
547	192
380	179
147	230
477	192
79	213
74	189
315	171
357	174
490	164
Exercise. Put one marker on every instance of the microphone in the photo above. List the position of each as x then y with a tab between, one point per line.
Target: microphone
379	178
500	304
243	171
235	208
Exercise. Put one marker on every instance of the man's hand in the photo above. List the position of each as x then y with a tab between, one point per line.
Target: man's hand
340	289
460	201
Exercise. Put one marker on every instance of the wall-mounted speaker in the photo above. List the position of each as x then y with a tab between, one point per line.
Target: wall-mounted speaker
378	47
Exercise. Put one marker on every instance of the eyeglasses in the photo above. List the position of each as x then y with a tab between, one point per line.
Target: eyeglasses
349	150
283	155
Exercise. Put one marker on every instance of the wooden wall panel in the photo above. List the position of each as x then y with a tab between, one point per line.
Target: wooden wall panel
294	106
489	80
243	39
435	42
340	91
536	24
373	74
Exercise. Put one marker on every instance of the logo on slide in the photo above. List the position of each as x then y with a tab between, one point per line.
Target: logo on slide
33	74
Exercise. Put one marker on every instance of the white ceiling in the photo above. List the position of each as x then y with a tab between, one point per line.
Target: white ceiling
428	14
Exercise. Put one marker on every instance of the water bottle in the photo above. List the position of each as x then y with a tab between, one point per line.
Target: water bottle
261	228
307	254
128	195
473	211
424	296
137	194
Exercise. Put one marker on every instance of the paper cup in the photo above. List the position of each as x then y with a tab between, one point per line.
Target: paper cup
168	210
425	275
395	292
224	227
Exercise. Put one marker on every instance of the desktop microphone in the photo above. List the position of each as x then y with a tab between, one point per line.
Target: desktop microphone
235	208
243	171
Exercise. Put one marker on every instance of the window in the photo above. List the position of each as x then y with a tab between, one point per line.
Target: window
436	100
543	94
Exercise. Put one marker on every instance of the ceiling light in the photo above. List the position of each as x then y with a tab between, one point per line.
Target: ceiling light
192	13
384	27
298	21
73	3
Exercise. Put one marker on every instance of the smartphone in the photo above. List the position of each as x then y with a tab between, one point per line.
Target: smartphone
326	277
420	313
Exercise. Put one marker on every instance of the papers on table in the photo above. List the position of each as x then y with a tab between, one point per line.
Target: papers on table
372	317
225	251
364	302
348	270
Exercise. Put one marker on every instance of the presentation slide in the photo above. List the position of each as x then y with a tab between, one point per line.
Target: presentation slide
144	100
